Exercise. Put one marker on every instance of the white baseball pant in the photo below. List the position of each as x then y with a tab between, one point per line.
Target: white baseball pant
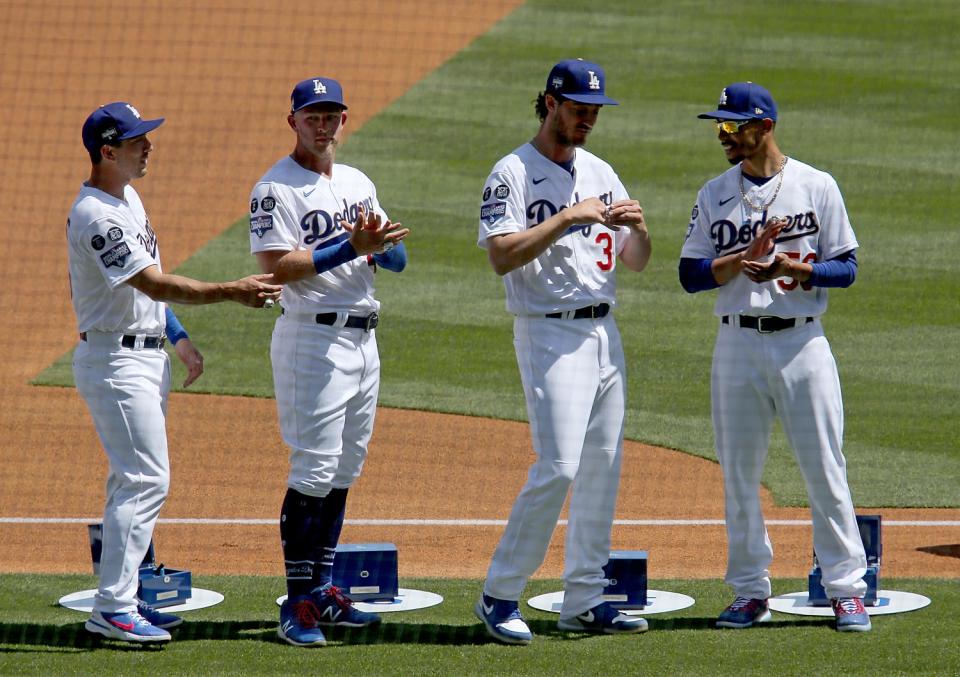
790	374
326	381
573	377
126	391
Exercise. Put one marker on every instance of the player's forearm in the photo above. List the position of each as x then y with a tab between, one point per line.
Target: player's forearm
178	289
725	268
511	251
636	251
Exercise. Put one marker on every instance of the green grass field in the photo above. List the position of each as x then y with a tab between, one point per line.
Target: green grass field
239	636
867	91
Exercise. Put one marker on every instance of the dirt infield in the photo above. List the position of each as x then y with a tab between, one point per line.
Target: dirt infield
222	83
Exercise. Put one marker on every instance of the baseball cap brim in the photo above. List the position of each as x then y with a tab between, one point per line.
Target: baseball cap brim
341	106
141	128
726	115
598	99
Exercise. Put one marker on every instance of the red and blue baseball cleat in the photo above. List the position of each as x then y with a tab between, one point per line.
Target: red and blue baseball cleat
298	622
850	614
335	608
603	618
743	613
127	626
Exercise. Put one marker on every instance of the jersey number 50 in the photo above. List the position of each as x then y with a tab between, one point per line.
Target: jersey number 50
792	284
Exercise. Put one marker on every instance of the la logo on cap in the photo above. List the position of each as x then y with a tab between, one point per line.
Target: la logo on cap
723	97
319	87
133	110
594	80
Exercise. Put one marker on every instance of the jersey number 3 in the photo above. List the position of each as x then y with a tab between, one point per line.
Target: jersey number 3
604	240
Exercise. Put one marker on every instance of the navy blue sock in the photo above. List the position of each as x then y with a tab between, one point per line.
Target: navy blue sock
330	522
300	526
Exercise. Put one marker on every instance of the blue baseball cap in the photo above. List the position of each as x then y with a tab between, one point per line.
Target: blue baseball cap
113	123
580	81
316	90
743	101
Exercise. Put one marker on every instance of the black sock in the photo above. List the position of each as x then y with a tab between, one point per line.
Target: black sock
330	524
299	526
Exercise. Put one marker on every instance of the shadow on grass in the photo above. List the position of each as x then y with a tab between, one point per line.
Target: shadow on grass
36	638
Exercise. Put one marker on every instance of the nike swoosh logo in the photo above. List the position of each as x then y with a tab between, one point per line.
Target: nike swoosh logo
587	617
723	202
539	181
123	626
306	193
487	609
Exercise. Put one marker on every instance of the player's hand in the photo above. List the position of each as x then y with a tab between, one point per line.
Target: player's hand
591	210
625	213
765	241
255	290
369	234
191	358
759	271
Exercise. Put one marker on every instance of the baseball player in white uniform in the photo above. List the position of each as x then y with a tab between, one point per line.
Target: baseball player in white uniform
773	234
554	220
319	227
121	370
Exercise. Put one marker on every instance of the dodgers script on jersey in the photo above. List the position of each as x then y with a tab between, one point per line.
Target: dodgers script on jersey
817	229
116	234
293	208
523	190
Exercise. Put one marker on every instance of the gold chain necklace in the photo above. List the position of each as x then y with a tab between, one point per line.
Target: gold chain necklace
760	209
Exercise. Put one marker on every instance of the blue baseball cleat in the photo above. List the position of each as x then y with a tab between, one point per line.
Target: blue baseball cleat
503	620
335	608
298	622
157	618
744	612
603	618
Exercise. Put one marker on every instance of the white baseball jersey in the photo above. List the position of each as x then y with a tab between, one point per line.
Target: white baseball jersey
817	229
579	268
109	241
293	208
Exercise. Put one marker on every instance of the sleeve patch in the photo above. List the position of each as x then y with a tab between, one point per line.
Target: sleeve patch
115	234
97	242
116	256
502	192
261	224
494	211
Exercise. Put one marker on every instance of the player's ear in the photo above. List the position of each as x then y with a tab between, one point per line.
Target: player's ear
292	122
107	152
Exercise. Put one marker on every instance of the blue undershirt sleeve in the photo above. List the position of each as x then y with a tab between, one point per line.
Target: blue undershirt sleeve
696	275
839	271
394	260
175	330
330	257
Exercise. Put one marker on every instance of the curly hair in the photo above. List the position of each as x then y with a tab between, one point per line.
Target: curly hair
540	105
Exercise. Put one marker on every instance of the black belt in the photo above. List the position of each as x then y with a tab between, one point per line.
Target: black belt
365	322
767	324
130	341
587	312
149	342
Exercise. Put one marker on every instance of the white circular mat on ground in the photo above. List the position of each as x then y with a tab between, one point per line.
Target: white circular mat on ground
659	602
199	599
889	602
406	600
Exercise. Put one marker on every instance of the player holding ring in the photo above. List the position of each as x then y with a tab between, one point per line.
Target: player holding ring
554	220
772	234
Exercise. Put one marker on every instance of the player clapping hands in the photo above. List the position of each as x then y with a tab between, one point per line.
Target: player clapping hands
371	235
